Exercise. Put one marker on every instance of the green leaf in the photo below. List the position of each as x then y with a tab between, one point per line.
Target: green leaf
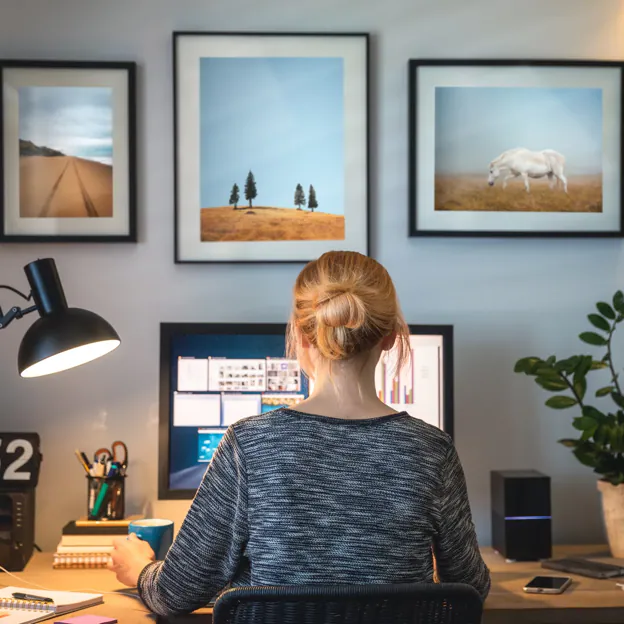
598	321
569	365
580	387
593	338
584	423
547	371
618	399
600	435
604	391
526	365
598	365
606	310
550	360
618	301
585	456
561	402
552	385
569	443
592	412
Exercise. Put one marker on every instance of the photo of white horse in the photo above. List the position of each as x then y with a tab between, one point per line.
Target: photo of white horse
518	149
523	163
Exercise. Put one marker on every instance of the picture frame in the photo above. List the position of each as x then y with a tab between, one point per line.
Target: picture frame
67	151
298	165
549	131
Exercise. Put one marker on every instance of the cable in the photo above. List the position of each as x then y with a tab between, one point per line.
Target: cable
17	292
88	589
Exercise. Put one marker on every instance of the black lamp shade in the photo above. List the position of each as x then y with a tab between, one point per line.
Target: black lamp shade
64	339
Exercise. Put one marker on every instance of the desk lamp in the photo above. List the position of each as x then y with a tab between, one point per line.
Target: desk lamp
62	337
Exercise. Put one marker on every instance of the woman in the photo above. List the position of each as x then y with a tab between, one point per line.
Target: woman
342	490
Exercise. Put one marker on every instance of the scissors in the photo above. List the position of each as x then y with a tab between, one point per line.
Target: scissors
114	455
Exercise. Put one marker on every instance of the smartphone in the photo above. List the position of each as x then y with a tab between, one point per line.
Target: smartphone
548	585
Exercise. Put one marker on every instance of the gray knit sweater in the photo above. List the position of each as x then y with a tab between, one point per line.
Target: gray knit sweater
292	498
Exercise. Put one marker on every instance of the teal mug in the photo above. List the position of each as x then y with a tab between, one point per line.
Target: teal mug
157	533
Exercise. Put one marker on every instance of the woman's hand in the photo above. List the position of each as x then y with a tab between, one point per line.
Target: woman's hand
129	557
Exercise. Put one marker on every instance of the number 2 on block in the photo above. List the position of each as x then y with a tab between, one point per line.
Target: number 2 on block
12	470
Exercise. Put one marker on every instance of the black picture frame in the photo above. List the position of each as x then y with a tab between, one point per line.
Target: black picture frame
415	227
168	330
180	256
126	230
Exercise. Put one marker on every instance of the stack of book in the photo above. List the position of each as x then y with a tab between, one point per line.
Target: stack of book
88	544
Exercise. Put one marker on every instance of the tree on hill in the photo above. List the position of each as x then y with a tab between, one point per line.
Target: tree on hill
312	201
300	199
234	196
251	191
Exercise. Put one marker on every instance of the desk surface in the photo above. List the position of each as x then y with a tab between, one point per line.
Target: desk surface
587	601
127	609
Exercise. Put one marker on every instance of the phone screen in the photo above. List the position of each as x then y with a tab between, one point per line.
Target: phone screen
547	582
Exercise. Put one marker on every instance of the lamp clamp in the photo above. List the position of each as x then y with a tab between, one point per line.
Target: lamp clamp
15	312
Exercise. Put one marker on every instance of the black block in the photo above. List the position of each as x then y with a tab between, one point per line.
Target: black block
521	514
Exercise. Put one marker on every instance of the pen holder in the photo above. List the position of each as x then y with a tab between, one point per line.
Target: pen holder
106	497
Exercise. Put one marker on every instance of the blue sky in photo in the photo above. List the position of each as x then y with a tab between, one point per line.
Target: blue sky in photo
474	125
283	119
77	121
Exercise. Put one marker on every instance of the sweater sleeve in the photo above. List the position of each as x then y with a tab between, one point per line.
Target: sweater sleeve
457	553
209	547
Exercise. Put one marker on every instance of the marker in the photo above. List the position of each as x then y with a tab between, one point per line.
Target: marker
100	499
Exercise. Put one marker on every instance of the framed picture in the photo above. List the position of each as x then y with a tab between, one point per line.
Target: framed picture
271	146
515	148
67	157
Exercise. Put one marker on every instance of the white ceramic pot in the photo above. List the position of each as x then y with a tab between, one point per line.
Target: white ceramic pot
613	511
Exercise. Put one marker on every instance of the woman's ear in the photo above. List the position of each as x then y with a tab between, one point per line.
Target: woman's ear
304	343
388	342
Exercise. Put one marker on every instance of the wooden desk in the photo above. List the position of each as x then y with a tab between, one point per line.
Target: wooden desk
127	609
587	601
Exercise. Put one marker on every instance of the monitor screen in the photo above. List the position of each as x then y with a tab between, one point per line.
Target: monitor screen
215	374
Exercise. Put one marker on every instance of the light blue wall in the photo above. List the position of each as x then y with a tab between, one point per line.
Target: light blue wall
506	298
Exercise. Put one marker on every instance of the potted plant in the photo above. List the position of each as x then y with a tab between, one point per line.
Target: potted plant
600	444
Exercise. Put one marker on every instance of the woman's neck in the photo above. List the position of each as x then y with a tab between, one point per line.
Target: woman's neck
345	390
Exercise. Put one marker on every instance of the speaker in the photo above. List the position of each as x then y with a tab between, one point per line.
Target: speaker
17	528
521	515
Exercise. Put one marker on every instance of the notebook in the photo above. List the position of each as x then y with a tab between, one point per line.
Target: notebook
14	611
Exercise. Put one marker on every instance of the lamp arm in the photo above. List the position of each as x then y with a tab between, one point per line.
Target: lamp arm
15	312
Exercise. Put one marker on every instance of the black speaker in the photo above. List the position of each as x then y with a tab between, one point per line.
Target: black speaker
521	515
17	528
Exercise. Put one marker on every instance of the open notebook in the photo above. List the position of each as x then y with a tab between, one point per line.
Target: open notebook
14	611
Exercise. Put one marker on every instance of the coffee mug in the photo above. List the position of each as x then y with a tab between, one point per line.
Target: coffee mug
157	533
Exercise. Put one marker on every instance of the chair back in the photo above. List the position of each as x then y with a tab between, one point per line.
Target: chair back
417	603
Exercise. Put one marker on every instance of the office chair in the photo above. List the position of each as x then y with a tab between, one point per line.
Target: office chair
418	603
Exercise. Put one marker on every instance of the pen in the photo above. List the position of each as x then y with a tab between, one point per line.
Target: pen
19	596
83	463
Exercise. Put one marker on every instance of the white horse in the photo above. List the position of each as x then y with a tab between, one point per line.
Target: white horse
521	162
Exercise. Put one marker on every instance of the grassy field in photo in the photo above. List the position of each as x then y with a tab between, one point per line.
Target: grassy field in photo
472	193
265	223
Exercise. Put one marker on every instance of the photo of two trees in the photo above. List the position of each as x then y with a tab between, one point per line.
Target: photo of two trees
281	140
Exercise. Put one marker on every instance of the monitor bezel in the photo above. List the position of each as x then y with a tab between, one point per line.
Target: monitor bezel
168	330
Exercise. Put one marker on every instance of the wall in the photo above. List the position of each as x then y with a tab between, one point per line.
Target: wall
506	298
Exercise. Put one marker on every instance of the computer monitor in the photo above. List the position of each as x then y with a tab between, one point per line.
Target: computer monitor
213	374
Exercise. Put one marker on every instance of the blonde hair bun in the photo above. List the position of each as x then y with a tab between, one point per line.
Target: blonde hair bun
345	304
339	305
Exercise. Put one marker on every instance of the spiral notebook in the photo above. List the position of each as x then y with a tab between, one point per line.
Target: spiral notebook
13	611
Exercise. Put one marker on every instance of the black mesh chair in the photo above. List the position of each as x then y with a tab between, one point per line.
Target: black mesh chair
419	603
